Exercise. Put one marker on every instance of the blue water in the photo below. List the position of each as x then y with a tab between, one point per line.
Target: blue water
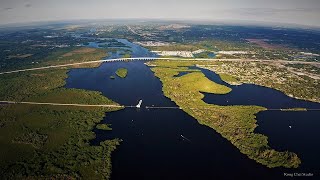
93	45
302	138
210	55
137	51
250	94
153	146
182	73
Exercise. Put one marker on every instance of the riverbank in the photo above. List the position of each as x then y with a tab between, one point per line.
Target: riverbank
51	141
274	75
235	123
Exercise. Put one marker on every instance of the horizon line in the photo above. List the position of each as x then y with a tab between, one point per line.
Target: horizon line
163	20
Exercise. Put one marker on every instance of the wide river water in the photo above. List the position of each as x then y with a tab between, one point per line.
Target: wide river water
170	144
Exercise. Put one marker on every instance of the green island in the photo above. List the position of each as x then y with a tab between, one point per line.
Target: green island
52	142
122	72
127	55
235	123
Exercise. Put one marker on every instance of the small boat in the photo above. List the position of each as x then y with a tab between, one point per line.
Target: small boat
185	138
139	104
290	127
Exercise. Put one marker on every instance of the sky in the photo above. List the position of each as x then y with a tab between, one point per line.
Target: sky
302	12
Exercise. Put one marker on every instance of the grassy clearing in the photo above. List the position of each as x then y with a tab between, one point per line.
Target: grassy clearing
82	54
42	142
79	51
229	79
104	127
235	123
122	72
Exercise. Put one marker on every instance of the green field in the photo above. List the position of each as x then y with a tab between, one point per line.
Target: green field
235	123
42	142
229	79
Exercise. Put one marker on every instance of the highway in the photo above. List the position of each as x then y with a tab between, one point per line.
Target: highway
155	58
120	106
131	59
75	64
61	104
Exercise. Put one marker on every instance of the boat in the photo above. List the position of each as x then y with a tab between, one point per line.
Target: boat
139	104
185	138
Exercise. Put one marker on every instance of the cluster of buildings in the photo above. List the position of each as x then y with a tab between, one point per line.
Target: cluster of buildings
309	54
187	54
190	54
234	52
152	43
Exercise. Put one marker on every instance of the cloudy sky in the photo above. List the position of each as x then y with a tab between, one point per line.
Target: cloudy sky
304	12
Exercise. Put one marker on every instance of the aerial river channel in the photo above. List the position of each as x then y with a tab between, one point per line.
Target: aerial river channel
170	144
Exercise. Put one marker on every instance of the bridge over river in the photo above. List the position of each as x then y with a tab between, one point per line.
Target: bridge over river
132	59
149	59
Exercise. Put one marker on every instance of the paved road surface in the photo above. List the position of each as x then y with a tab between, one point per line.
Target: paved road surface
153	58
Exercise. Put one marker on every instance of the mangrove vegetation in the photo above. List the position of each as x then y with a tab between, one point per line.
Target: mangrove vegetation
235	123
52	142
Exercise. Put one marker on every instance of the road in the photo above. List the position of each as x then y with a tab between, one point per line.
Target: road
60	104
120	106
75	64
154	58
130	59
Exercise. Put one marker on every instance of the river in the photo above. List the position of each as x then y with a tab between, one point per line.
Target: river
168	143
297	131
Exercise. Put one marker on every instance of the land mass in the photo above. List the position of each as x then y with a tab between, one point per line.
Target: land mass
235	123
279	75
122	72
42	142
